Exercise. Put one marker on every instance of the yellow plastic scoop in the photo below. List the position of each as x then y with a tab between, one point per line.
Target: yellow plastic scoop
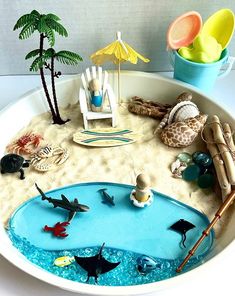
220	25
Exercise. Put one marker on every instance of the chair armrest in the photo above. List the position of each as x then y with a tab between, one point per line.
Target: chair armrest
111	97
83	100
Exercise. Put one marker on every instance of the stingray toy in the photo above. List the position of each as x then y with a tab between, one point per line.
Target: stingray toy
95	265
182	226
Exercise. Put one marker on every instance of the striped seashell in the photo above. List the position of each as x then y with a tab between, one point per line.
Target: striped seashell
183	133
163	123
182	111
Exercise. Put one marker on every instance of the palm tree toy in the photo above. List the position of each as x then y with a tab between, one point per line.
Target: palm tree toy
46	25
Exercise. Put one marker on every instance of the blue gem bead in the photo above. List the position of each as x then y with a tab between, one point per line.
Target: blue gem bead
185	157
203	159
191	173
206	181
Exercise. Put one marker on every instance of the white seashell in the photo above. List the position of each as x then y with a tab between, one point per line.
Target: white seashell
182	167
182	111
175	165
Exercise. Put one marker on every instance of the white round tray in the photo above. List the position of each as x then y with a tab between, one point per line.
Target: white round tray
148	86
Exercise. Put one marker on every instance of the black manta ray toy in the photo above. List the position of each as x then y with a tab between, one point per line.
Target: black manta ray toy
182	226
96	265
72	206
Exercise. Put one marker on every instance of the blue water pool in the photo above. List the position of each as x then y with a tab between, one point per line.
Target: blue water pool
126	230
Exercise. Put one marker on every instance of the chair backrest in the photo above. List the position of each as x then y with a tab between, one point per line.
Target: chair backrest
95	72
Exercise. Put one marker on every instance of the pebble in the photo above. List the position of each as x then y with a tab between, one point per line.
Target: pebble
185	157
203	159
191	173
206	181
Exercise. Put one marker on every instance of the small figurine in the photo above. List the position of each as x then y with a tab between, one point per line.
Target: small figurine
58	230
48	157
96	96
142	196
182	226
96	265
72	206
63	261
106	198
146	264
26	144
13	163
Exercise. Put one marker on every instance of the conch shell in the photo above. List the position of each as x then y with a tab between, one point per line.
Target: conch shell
183	109
183	133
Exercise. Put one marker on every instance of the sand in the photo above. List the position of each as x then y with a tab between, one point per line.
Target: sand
115	164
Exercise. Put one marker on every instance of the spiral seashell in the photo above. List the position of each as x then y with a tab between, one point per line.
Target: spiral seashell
182	111
163	123
183	133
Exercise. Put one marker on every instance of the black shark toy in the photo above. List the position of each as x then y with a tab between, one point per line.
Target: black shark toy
72	206
96	265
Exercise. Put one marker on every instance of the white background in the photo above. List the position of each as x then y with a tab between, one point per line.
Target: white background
14	282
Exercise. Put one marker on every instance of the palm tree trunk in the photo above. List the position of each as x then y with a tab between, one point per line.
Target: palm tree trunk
44	82
59	120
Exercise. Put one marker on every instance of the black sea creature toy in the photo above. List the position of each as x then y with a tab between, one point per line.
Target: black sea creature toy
13	163
106	198
73	207
96	265
182	226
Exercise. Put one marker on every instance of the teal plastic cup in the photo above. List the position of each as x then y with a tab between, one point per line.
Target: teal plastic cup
200	75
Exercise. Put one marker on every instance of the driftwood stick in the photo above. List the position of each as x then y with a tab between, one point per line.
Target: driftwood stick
148	108
218	162
223	148
225	205
229	138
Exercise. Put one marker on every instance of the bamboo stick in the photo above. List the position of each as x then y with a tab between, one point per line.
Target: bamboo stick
223	148
218	162
229	138
229	200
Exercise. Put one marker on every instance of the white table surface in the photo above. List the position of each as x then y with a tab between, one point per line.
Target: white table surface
15	282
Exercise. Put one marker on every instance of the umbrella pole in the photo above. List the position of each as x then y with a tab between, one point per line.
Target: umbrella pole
229	200
119	84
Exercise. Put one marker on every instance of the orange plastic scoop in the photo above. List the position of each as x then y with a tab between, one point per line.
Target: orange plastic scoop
184	29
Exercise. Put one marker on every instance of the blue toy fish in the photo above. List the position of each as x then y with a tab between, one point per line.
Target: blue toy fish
146	264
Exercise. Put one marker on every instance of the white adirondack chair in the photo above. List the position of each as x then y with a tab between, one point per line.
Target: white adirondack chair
107	93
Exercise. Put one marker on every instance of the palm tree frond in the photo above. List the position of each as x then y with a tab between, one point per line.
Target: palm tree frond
24	20
42	25
53	16
27	31
37	63
33	54
54	25
49	53
50	36
68	57
35	13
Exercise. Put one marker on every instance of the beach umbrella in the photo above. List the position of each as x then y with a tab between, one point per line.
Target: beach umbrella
117	52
